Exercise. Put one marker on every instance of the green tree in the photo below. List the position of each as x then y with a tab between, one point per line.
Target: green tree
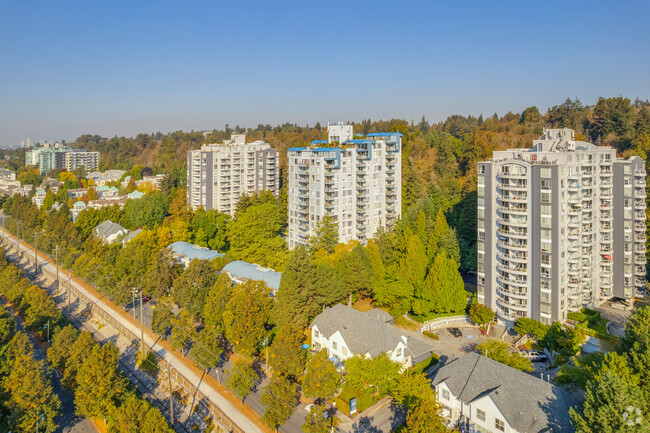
425	417
7	327
316	422
247	315
215	303
443	290
356	271
206	351
279	400
326	236
100	384
480	314
287	357
81	349
60	351
38	308
584	368
296	301
183	331
135	415
161	319
498	350
410	388
532	327
191	288
379	373
29	390
321	380
615	388
242	377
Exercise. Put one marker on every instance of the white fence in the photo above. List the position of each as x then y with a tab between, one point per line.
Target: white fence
444	322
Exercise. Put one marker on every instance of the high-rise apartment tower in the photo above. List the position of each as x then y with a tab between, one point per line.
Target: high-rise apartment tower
219	174
560	226
357	182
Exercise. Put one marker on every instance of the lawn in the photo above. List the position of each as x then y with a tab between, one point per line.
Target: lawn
364	304
432	316
364	400
423	365
600	326
404	323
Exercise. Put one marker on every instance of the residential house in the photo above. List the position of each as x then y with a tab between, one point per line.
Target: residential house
135	195
129	237
104	191
345	332
77	192
108	231
185	252
482	395
76	209
240	271
39	197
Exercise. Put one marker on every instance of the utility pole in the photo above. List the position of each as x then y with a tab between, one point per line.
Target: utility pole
69	312
17	240
35	255
56	263
171	396
142	329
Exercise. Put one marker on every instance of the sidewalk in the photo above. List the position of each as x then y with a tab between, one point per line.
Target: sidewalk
244	417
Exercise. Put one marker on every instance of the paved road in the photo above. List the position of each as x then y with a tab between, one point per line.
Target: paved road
68	421
151	340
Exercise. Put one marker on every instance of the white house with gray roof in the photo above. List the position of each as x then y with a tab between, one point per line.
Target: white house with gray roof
108	231
345	332
483	395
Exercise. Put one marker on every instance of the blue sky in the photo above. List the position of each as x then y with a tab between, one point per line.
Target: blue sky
123	67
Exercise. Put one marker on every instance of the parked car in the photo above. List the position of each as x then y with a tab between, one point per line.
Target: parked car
146	299
455	332
535	355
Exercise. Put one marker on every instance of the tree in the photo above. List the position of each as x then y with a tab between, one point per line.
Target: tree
443	290
30	395
425	417
206	350
321	380
61	348
532	327
279	399
410	388
584	369
480	314
498	350
614	389
247	315
242	377
100	384
356	271
161	319
296	301
38	308
379	373
190	289
137	416
215	303
7	327
81	350
183	331
326	237
318	420
287	357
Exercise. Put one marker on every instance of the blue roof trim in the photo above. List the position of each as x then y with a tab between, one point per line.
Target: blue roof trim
360	141
327	149
297	149
239	268
384	134
319	142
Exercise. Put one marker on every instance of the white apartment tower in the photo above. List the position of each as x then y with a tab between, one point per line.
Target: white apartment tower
357	182
560	226
219	174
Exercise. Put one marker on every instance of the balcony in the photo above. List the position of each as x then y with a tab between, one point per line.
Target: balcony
640	260
641	183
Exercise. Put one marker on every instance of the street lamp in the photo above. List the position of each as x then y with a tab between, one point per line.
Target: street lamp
41	418
36	235
48	331
134	291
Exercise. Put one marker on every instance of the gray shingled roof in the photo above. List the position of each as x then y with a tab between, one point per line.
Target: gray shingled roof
108	228
380	315
529	404
131	236
364	333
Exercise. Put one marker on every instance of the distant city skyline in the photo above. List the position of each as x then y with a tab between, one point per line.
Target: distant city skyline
123	68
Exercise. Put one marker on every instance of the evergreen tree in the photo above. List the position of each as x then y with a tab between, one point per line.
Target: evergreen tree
326	237
295	302
191	288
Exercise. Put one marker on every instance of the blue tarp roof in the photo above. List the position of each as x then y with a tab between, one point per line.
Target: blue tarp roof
239	268
384	134
193	251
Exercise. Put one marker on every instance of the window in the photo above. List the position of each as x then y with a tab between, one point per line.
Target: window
545	197
344	350
499	424
545	184
316	335
480	415
546	222
334	345
444	394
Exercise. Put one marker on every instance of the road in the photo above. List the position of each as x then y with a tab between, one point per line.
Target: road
68	421
152	341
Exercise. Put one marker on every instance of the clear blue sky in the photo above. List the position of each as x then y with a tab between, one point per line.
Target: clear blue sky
123	67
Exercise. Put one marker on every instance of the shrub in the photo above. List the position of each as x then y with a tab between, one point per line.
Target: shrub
431	335
578	317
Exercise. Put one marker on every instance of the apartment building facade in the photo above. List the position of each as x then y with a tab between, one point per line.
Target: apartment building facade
357	182
55	156
219	174
560	226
